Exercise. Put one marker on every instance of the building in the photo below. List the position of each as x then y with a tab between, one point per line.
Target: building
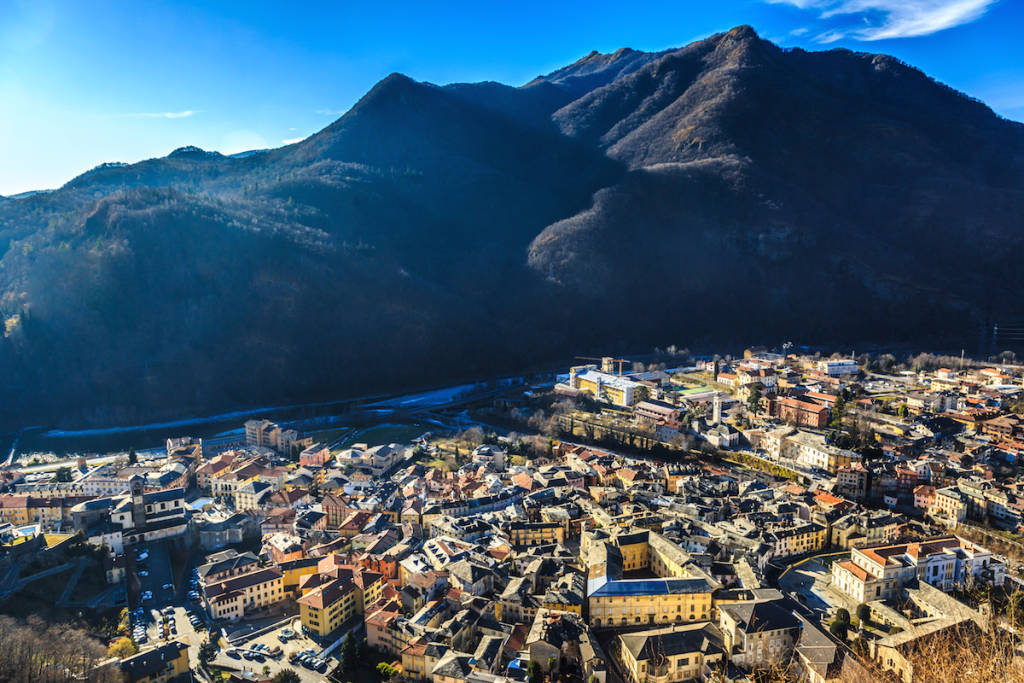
852	481
158	664
315	456
759	634
681	595
269	435
797	539
237	597
604	386
798	411
811	450
880	572
251	494
326	608
523	534
838	368
949	503
657	412
677	653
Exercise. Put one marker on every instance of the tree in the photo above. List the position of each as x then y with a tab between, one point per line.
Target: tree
838	629
843	615
133	457
534	673
838	410
863	613
348	653
207	651
124	621
286	676
266	669
63	474
122	648
754	398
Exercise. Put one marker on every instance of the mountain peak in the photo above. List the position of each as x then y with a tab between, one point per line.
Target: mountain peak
742	32
192	152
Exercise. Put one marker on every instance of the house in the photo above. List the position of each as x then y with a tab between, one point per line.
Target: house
158	664
677	653
759	634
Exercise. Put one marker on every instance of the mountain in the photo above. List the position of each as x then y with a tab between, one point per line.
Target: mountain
726	192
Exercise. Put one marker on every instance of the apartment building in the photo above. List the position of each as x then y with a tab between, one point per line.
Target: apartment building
238	596
880	572
269	435
522	534
796	539
324	609
811	450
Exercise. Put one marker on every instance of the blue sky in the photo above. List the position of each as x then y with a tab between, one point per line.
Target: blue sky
88	81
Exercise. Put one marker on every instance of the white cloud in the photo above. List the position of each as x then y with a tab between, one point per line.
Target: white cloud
165	114
329	112
799	31
291	141
883	19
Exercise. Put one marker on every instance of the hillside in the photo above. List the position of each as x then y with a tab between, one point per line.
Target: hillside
727	191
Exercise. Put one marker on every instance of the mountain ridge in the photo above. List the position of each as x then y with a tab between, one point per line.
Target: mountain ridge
727	191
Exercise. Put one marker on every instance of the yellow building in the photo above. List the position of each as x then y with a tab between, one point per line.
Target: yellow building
605	386
798	539
678	654
681	594
14	509
292	572
536	533
633	602
324	609
158	664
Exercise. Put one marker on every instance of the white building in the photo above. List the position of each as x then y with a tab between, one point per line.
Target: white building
838	368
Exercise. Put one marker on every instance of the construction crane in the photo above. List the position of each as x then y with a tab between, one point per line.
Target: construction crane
607	359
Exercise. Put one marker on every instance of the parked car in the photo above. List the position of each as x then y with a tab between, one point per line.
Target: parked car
168	586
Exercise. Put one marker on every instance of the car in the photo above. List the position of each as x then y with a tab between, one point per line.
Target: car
308	662
249	656
143	556
233	654
168	586
167	610
321	666
143	572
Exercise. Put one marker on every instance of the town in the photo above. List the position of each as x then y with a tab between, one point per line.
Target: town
780	515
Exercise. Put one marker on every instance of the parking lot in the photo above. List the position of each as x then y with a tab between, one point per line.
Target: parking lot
153	581
289	640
